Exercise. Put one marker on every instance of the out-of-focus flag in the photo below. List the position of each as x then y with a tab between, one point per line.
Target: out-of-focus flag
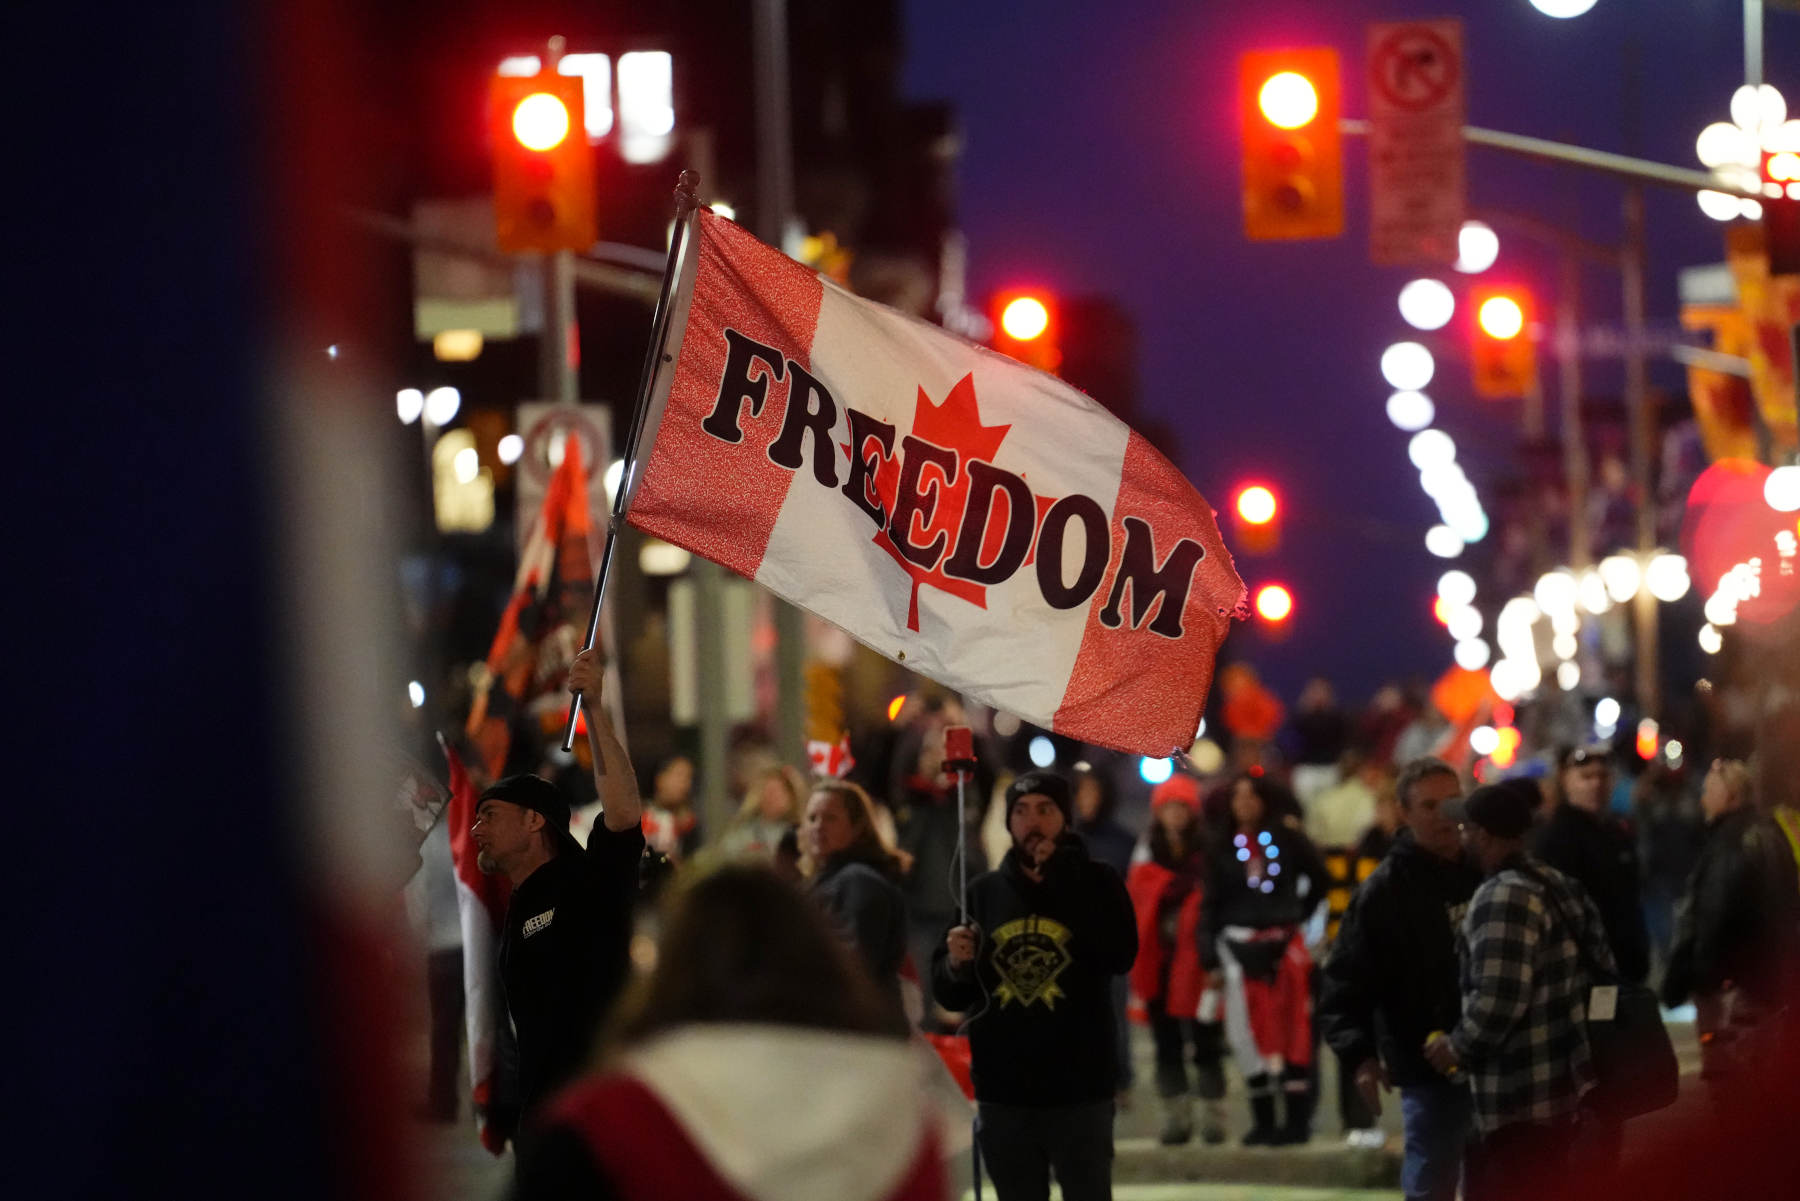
542	626
481	903
976	520
832	760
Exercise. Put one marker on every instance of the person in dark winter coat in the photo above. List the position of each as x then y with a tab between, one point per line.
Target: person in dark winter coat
1264	883
1735	945
1167	977
1391	980
1585	842
1095	799
854	882
756	1062
1047	932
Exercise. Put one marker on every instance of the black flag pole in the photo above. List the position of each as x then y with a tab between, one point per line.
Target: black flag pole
687	200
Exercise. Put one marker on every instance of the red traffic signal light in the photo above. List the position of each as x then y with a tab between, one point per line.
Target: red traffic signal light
1503	359
1289	102
1274	604
543	166
1025	328
1256	515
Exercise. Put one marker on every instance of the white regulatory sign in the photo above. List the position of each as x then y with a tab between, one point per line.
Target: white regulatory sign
1417	188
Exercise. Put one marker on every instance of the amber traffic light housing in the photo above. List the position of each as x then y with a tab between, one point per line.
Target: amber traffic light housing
543	166
1502	357
1289	102
1256	516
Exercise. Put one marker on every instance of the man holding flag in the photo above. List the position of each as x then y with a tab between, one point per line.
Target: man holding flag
564	950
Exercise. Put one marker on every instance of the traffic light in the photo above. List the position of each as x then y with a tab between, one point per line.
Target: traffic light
1781	214
1288	107
1274	605
1502	355
1025	328
543	165
1257	515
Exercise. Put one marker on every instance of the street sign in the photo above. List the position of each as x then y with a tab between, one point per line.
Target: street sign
1417	188
543	425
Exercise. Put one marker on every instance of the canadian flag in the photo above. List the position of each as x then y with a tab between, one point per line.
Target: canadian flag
978	521
481	903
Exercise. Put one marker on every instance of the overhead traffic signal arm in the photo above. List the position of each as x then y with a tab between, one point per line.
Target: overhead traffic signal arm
544	192
1289	102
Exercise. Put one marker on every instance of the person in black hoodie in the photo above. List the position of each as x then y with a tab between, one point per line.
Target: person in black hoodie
1584	841
1391	980
1033	966
1264	882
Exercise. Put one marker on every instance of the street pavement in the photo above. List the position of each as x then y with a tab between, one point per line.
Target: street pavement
456	1167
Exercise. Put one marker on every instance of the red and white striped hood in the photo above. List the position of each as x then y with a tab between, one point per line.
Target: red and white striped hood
976	520
789	1114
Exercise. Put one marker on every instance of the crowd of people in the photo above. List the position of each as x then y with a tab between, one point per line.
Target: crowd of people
1453	946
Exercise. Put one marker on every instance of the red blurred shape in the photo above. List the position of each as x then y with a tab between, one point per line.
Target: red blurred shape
1727	522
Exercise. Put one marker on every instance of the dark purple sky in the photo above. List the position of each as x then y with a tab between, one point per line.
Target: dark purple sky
1101	155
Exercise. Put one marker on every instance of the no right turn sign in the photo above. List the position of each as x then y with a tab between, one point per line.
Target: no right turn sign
1417	189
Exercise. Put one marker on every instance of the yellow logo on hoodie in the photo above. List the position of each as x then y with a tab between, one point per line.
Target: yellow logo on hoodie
1029	955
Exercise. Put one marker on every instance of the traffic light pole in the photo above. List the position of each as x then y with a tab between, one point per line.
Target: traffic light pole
774	204
1637	403
559	359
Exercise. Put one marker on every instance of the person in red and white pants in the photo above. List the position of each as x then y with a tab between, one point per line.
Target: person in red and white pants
1264	886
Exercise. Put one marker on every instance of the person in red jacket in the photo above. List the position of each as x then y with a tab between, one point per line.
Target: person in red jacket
1167	977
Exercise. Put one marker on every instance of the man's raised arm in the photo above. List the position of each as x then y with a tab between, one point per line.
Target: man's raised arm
613	777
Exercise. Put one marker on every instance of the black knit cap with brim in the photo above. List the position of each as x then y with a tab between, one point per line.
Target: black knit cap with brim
1505	809
1049	784
534	792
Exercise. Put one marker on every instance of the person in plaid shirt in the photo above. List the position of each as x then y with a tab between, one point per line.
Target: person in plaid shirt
1521	1040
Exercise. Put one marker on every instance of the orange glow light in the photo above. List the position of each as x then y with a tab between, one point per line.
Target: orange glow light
1501	317
1274	602
1647	739
1508	748
895	705
1440	609
1256	504
540	122
1024	318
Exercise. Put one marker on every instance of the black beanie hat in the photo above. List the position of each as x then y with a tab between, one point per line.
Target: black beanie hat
1505	809
1048	783
534	792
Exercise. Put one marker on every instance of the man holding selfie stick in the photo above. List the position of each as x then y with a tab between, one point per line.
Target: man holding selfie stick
1031	962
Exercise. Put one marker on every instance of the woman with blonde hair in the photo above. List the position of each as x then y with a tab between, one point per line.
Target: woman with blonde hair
770	812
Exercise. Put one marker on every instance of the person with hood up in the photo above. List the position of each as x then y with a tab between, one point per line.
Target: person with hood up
1167	977
756	1061
1033	968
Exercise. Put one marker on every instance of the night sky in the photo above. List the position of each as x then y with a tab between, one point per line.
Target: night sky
1100	155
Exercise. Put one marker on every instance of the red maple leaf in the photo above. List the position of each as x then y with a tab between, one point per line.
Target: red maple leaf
956	425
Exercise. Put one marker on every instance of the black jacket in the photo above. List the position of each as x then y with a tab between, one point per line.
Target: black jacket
1039	992
1737	925
565	953
1295	873
1391	978
1600	852
871	916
